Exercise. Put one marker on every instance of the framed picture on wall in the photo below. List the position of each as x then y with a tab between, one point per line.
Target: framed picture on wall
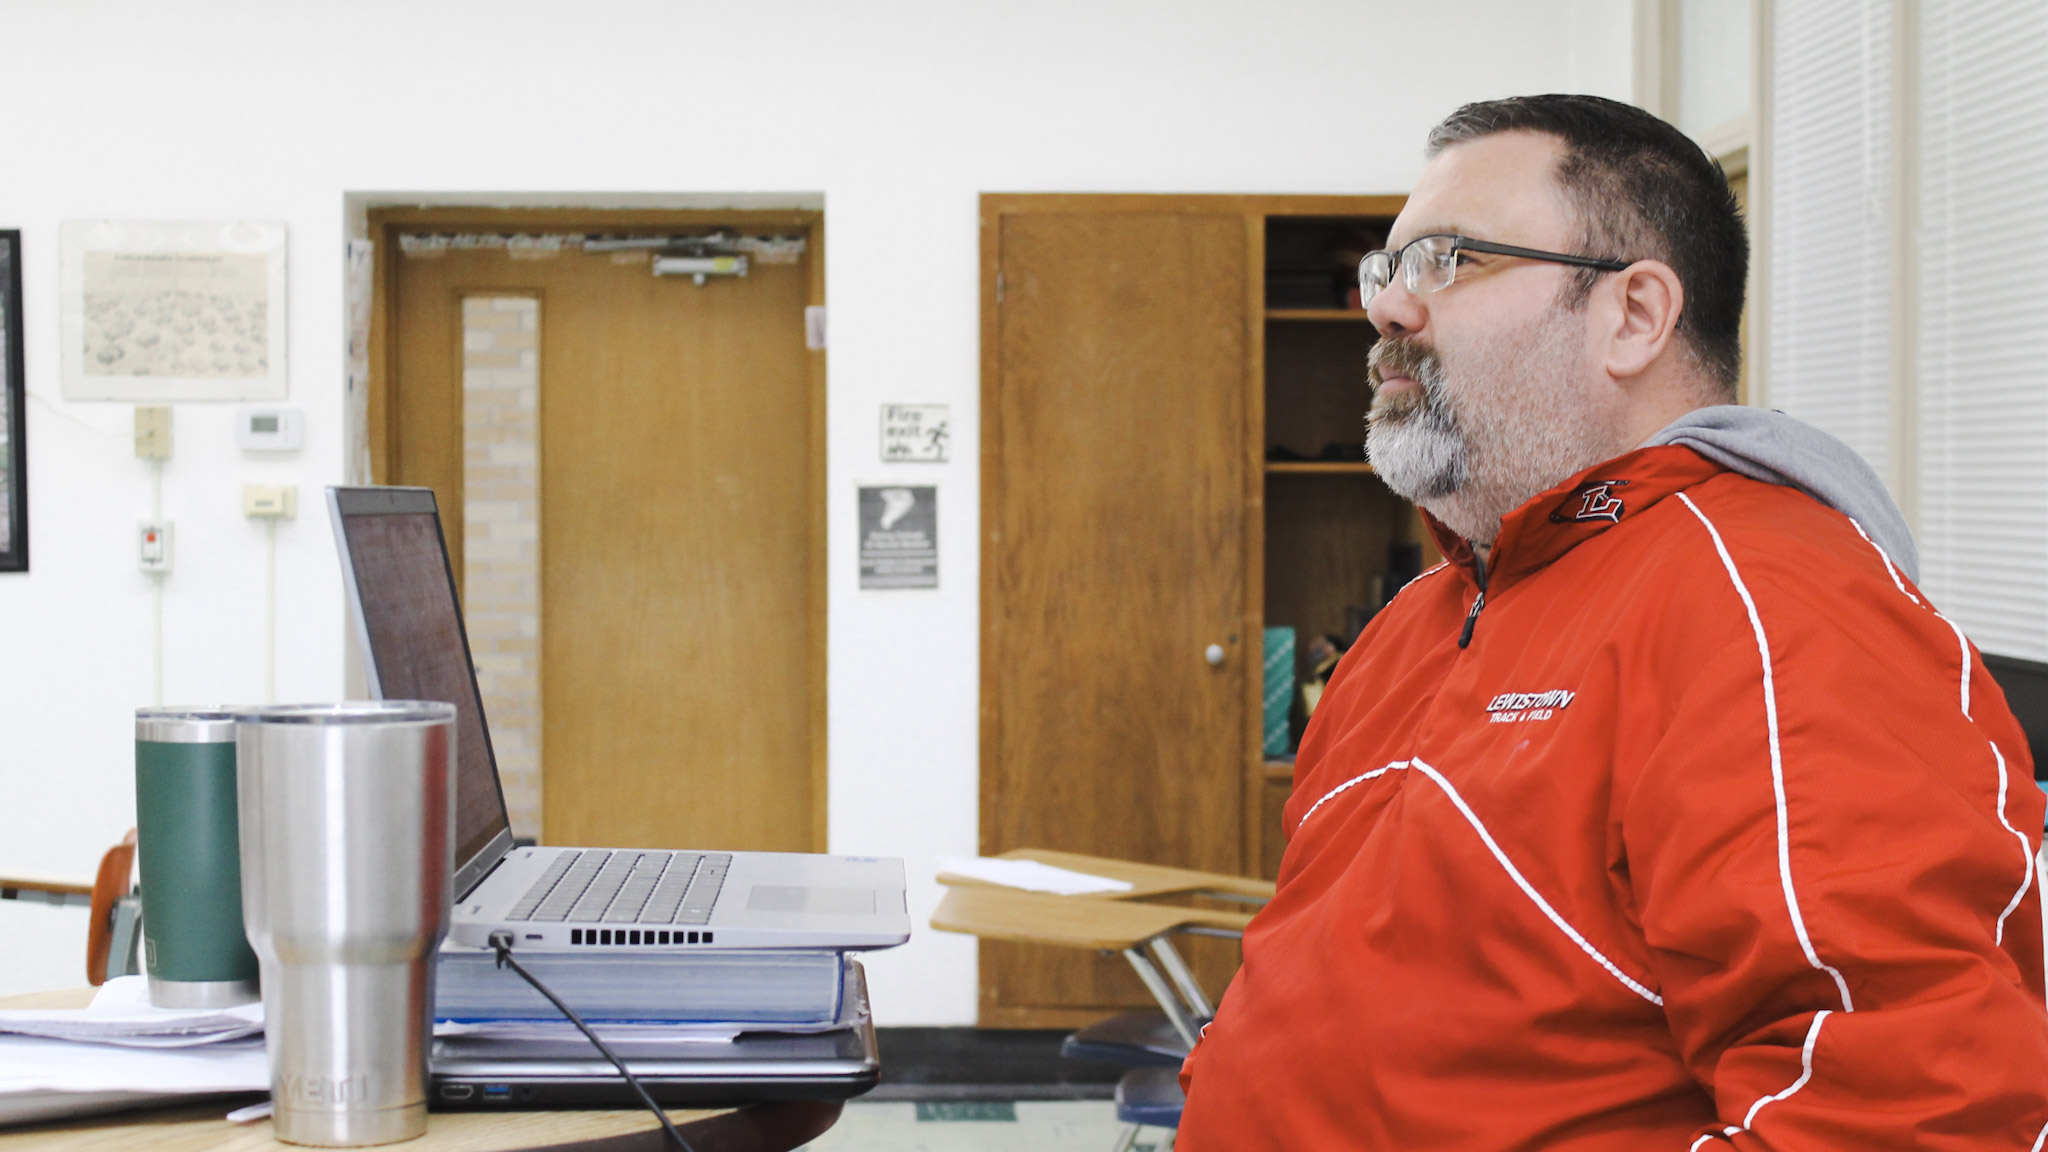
155	312
13	419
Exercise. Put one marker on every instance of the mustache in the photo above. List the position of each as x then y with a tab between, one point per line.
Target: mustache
1401	356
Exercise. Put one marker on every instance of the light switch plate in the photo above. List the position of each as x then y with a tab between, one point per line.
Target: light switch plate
153	432
153	545
270	501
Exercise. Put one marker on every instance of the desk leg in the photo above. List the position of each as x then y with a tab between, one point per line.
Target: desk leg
1190	989
1163	992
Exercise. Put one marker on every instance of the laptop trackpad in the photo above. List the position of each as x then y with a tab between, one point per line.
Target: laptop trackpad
806	898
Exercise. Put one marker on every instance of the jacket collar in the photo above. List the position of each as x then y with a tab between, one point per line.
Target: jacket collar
1554	522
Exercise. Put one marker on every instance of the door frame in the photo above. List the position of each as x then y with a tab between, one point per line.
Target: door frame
387	446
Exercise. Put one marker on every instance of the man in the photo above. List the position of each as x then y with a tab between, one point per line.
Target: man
1668	814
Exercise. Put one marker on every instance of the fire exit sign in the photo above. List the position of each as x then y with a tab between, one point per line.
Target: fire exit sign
915	433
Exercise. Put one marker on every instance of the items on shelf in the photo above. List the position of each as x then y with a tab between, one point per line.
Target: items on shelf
1314	264
1404	563
1337	451
1287	289
1357	616
1279	690
1321	656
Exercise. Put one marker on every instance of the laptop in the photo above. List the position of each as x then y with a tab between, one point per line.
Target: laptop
402	596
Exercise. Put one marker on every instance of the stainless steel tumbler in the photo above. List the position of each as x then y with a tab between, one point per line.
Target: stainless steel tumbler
347	840
193	947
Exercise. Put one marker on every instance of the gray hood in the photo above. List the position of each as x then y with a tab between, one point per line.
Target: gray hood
1776	449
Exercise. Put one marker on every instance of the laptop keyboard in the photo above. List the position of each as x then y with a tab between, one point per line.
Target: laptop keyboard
606	886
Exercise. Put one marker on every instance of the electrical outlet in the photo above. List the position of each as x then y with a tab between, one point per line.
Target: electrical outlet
153	433
153	543
270	501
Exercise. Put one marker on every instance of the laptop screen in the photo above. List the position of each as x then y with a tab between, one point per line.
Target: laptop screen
404	593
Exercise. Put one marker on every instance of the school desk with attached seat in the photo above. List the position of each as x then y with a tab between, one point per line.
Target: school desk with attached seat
1125	922
1140	1038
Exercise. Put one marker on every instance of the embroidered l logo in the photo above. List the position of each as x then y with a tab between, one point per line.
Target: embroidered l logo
1597	501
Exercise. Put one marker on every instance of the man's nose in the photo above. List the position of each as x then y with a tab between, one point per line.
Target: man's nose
1396	311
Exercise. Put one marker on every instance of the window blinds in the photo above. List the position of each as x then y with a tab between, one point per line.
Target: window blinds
1829	274
1983	319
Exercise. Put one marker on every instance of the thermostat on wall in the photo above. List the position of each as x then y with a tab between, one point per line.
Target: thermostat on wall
270	429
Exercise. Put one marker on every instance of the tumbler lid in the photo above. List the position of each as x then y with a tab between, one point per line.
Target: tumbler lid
214	724
350	712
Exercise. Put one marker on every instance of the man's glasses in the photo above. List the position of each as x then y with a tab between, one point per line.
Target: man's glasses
1430	263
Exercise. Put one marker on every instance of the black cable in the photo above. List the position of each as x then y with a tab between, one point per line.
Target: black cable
501	943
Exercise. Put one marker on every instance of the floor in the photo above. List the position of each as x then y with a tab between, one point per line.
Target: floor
970	1090
974	1064
981	1126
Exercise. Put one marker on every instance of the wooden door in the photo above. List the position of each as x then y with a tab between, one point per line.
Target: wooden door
681	595
1114	444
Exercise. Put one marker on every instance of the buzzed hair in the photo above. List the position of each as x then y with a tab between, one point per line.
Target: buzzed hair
1642	190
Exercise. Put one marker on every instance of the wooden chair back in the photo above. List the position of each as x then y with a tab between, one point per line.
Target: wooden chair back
117	868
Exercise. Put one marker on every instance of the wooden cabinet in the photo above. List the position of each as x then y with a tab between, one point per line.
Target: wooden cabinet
1334	542
1155	491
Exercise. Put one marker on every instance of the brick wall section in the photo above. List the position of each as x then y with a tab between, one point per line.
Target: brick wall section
501	534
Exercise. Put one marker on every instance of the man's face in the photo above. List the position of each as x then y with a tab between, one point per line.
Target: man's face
1482	394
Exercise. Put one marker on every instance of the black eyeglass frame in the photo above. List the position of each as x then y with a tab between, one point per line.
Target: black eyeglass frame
1395	257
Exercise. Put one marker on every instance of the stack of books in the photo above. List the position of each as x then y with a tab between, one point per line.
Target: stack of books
781	989
699	1028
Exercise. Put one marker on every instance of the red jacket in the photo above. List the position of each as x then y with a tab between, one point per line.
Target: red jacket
1717	835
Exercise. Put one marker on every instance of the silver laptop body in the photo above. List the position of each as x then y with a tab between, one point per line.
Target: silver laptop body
402	596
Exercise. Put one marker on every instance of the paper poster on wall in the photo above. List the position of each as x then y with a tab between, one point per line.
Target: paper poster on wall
915	433
899	537
163	311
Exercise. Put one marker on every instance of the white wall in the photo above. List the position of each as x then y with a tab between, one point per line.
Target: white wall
1714	68
899	113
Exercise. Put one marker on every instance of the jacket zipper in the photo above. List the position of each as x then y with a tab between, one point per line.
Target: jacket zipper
1478	602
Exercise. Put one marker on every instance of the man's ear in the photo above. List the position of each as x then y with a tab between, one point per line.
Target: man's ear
1643	303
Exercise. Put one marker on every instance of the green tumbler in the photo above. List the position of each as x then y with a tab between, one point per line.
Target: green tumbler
194	949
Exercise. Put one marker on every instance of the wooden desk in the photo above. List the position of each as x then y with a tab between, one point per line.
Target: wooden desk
1146	880
1130	926
201	1127
40	890
1041	918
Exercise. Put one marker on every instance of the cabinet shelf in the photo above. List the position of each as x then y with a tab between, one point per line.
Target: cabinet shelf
1318	467
1340	315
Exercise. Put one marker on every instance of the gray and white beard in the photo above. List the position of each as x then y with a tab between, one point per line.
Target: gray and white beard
1511	418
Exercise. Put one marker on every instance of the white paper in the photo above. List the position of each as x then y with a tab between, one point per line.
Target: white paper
608	1030
1030	875
121	1014
251	1114
36	1107
34	1064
